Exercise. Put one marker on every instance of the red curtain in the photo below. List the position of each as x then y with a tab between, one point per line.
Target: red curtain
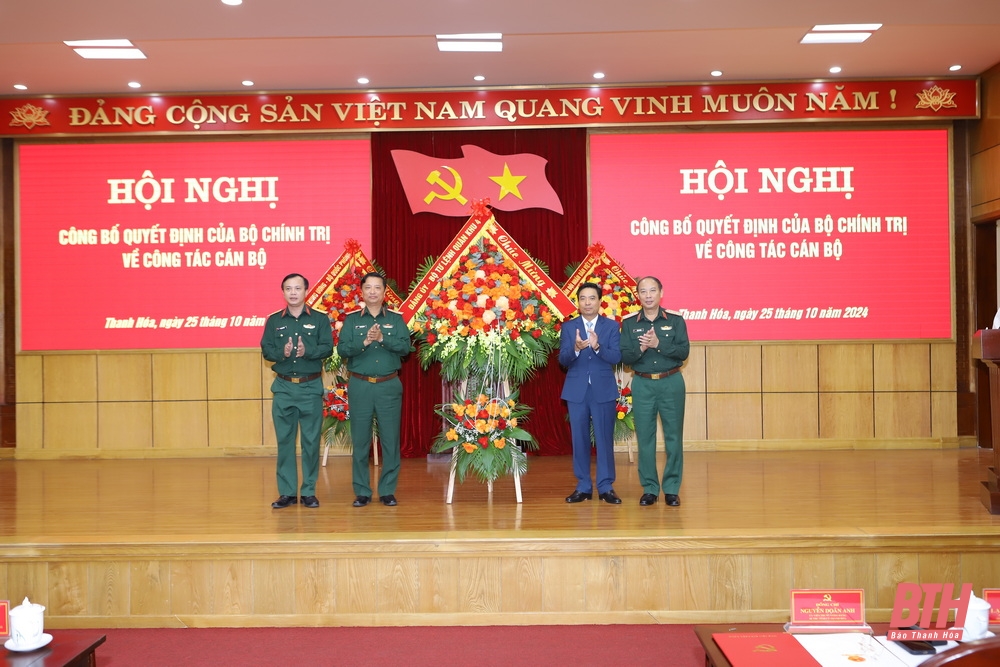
402	240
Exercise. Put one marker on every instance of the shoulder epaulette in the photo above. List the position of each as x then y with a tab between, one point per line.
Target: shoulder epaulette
631	315
394	311
358	310
673	312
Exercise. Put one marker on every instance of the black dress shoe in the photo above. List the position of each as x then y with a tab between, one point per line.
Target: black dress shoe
647	499
672	499
361	501
611	497
389	500
310	501
284	501
577	497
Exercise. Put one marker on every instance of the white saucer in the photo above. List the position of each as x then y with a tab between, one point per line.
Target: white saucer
42	641
986	636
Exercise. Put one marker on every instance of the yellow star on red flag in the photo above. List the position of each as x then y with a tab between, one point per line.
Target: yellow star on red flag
508	183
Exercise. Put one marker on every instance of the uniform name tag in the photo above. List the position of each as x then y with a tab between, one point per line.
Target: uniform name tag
308	326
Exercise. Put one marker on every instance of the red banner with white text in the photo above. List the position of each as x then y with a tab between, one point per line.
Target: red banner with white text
178	245
683	104
839	235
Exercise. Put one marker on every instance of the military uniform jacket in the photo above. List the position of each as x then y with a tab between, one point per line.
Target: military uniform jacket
377	359
672	350
317	336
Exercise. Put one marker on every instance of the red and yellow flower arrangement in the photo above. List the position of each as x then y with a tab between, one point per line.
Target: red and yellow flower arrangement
485	430
484	318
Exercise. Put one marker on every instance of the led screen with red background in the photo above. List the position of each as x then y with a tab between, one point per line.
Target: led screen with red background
75	290
886	284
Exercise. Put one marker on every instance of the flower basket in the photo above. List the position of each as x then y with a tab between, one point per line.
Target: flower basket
483	312
618	288
336	416
624	419
484	432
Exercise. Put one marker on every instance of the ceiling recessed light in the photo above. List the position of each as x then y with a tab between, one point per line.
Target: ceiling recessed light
20	86
847	27
111	54
232	3
471	42
598	75
363	80
955	68
134	84
247	82
471	47
716	72
835	37
98	43
479	77
475	36
835	70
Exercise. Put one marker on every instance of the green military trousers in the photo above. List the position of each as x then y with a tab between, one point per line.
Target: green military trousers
382	401
297	408
663	397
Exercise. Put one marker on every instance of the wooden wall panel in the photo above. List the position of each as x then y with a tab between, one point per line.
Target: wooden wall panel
522	580
605	583
180	377
397	586
732	368
67	589
890	569
480	585
695	414
28	580
902	367
356	586
813	570
70	426
192	587
28	370
734	417
124	377
943	367
149	588
944	414
982	570
855	571
694	370
108	589
316	586
180	424
846	367
124	425
985	183
788	416
790	368
902	415
647	582
30	426
69	378
770	581
235	423
438	591
234	375
564	588
274	587
847	415
688	576
730	580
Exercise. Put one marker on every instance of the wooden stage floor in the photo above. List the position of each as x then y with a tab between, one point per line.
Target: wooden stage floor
168	542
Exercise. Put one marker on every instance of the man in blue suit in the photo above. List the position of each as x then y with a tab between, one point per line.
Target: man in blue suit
589	349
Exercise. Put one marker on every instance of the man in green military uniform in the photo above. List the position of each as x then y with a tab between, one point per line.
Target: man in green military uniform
374	341
654	342
297	339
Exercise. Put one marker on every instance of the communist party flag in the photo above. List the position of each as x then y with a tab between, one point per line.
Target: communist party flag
446	187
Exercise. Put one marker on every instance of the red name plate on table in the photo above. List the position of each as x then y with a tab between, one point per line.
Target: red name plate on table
992	595
4	618
763	649
828	610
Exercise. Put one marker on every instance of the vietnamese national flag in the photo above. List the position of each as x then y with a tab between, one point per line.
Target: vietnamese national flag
448	187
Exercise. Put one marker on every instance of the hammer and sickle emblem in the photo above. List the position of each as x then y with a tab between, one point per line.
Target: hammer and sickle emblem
450	191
